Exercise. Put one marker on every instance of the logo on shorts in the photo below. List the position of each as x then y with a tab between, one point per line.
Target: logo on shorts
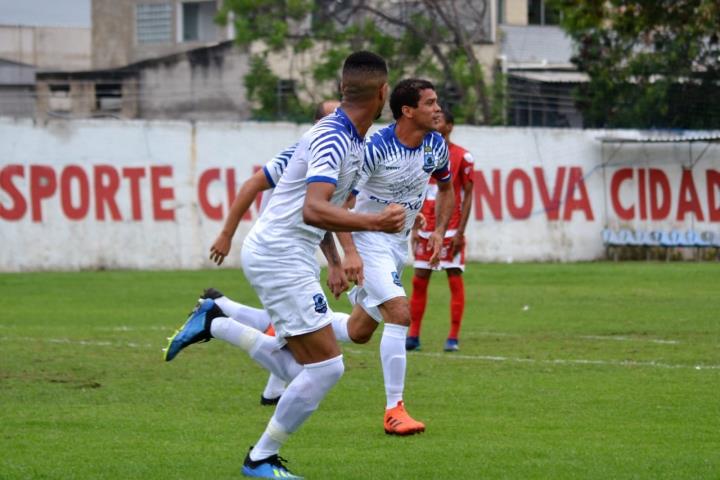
320	303
429	160
396	279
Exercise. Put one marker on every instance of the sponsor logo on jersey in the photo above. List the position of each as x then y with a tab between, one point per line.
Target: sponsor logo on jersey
429	163
414	205
320	303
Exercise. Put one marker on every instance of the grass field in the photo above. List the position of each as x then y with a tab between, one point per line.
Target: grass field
601	371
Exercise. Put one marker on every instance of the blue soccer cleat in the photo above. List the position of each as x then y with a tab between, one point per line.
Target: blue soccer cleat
412	343
271	467
196	328
451	345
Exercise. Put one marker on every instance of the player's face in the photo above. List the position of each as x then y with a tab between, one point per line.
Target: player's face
442	127
428	112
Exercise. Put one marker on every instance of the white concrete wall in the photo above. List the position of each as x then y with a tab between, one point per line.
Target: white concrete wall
152	195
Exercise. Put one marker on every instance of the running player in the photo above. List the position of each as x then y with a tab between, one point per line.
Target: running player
400	160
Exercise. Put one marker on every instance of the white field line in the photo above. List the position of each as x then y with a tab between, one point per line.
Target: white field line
85	343
621	338
444	356
558	361
616	338
125	328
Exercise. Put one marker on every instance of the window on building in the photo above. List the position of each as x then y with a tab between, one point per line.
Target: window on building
59	100
540	13
286	95
108	97
153	23
198	22
501	11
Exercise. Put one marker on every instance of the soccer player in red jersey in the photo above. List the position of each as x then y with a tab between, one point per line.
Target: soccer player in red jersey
452	254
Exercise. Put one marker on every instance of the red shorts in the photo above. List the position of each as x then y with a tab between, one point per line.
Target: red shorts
423	254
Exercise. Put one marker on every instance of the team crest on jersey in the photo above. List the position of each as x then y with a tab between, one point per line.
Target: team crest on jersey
428	160
320	303
396	279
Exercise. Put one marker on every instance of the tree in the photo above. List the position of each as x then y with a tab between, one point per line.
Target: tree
435	40
651	63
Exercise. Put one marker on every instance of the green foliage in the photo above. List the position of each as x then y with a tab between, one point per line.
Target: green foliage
414	41
650	62
262	86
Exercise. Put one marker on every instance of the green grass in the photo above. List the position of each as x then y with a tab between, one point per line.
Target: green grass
611	372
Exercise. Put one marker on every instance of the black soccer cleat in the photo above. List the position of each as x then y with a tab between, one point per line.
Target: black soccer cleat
269	401
212	293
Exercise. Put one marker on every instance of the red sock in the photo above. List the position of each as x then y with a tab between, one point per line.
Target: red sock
457	304
418	300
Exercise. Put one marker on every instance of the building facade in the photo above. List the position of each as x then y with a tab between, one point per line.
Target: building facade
129	31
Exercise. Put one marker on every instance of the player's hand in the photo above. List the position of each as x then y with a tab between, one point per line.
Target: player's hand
220	248
353	268
391	219
414	240
457	243
435	244
337	281
420	222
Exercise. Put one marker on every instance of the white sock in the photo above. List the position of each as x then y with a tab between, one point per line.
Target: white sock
299	401
264	349
252	317
275	387
394	361
340	326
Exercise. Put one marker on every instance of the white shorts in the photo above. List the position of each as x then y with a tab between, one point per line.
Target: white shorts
288	286
383	261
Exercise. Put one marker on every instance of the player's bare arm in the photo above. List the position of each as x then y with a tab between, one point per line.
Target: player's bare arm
245	197
458	241
445	203
337	282
352	262
319	212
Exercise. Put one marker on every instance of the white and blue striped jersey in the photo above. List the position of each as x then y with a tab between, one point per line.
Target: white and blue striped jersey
331	151
273	170
395	173
276	166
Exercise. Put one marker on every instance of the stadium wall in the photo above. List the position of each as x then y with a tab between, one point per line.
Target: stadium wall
92	194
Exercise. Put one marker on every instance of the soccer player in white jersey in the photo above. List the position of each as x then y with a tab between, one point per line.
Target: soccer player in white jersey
399	161
263	181
278	258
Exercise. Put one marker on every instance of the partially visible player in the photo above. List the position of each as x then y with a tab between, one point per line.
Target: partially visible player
262	182
452	254
278	258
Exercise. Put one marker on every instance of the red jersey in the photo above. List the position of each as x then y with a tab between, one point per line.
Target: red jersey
461	171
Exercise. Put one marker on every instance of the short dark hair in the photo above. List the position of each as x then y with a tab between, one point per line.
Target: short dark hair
407	93
449	118
362	74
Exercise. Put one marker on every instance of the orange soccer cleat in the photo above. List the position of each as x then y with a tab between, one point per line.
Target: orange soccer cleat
399	422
